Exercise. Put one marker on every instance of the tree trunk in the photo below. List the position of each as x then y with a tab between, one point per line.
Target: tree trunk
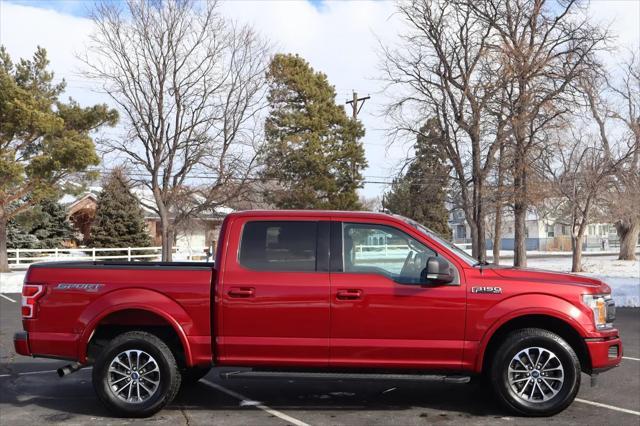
474	238
497	235
576	252
4	256
628	232
520	212
520	227
481	237
497	226
167	239
478	219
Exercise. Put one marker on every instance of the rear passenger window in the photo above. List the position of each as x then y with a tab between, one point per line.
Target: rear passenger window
279	246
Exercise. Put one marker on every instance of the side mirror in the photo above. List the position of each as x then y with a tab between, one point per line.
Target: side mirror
438	271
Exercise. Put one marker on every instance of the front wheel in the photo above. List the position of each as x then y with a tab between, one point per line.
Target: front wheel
136	375
535	373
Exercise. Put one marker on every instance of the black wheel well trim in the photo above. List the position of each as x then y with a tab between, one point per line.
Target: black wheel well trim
545	322
104	332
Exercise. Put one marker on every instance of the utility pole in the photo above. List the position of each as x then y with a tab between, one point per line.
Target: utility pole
356	106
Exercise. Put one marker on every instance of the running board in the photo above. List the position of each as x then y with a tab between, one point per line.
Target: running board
343	376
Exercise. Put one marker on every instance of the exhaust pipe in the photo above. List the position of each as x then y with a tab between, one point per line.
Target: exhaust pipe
68	369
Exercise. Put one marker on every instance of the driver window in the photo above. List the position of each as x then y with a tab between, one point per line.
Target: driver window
379	249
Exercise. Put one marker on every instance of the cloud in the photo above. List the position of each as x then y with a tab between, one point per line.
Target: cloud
24	28
336	37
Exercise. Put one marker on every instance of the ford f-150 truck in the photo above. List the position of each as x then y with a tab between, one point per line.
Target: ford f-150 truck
328	293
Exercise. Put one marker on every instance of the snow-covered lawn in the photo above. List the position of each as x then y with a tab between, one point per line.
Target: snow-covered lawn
608	266
11	282
623	276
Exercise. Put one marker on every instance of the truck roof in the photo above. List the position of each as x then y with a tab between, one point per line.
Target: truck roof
314	213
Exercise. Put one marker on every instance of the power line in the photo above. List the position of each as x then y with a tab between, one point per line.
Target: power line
378	180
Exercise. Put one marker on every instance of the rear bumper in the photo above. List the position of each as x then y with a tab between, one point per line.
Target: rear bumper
21	343
605	353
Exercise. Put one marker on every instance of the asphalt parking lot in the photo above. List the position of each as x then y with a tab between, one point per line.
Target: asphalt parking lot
31	393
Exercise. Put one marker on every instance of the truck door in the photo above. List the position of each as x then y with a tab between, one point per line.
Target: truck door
274	293
380	314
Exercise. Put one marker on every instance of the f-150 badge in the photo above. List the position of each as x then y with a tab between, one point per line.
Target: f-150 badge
486	290
84	287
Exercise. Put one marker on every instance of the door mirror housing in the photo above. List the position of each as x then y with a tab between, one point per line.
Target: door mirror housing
438	271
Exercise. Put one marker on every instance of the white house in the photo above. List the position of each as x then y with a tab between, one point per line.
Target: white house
543	232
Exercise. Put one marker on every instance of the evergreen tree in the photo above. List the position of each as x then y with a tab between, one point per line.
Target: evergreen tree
420	193
18	238
119	220
312	149
44	226
43	141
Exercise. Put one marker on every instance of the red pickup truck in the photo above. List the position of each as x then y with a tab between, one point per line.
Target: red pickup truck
327	293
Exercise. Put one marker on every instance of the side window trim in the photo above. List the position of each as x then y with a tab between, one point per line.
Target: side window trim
323	246
336	264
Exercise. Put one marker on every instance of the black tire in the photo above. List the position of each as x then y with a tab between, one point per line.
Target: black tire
191	375
520	342
169	376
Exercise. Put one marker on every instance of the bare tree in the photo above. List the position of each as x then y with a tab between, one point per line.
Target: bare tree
442	68
613	101
545	47
581	170
190	87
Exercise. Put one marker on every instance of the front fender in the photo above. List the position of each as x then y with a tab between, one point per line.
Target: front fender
523	305
134	298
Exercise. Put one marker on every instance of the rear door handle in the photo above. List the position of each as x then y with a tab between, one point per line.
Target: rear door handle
349	294
240	292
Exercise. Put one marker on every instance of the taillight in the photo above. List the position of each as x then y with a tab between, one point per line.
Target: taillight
30	295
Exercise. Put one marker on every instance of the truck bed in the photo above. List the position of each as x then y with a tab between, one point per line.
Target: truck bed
86	300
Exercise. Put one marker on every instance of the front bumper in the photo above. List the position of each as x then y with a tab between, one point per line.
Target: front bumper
605	352
21	343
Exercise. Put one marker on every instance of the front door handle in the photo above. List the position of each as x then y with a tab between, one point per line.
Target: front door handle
241	292
349	294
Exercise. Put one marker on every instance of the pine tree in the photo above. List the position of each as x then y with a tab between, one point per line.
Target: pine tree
119	220
44	226
312	150
43	140
420	193
19	238
53	228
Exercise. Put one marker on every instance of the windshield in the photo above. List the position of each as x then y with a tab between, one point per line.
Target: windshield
470	260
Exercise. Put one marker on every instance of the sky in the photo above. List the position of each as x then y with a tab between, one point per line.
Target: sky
337	37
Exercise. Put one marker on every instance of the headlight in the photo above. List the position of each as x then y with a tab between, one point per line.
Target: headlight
603	308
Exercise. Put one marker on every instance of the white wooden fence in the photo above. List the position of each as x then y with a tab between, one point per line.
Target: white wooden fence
24	257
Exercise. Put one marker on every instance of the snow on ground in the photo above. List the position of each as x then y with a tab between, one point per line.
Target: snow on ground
11	282
594	265
623	276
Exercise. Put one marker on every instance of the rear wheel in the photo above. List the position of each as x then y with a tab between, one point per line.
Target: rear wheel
136	375
535	373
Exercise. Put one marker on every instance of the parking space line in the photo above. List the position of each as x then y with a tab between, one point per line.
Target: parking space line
610	407
631	358
263	407
8	298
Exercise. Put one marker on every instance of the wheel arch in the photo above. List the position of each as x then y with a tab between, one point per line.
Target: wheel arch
122	311
545	321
